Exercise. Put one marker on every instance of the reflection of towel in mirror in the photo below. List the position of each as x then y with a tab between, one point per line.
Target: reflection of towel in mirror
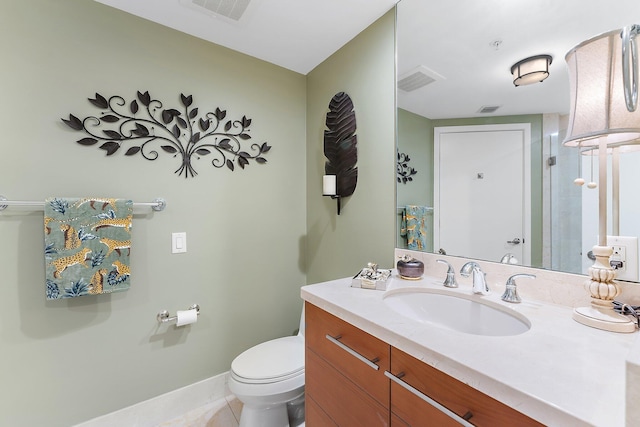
415	224
87	246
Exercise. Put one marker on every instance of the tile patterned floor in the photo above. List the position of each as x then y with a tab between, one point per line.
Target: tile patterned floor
221	413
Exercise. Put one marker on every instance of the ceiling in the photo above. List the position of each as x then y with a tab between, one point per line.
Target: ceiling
455	39
294	34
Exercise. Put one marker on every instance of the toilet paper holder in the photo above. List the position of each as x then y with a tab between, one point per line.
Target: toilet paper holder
163	316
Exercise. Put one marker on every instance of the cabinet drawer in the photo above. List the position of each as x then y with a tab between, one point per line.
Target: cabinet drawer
397	421
414	412
465	401
337	399
314	415
357	355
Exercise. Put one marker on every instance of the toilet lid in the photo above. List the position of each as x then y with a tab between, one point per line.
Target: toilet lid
271	360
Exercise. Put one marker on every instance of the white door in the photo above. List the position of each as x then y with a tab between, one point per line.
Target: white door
482	191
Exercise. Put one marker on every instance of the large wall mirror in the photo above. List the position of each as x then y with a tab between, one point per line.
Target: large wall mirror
456	102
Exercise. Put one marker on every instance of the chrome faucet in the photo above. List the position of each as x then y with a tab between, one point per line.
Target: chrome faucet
450	281
509	258
479	277
511	292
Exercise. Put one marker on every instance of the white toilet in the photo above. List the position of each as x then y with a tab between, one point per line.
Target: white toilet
269	380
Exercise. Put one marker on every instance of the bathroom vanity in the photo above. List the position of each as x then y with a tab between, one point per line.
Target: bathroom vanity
366	364
347	383
344	373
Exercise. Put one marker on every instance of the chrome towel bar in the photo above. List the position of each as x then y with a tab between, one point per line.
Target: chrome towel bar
157	204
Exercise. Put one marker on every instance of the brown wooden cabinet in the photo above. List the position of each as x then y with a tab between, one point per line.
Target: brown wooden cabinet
416	383
354	379
345	383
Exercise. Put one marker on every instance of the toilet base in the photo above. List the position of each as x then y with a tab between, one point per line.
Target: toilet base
273	416
288	414
295	409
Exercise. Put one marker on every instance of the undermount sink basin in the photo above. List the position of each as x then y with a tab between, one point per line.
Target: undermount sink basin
459	312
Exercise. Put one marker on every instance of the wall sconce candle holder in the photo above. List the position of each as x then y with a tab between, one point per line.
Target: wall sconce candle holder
329	188
340	149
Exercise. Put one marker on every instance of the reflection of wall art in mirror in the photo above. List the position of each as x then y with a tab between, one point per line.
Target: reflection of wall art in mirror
177	132
404	172
340	145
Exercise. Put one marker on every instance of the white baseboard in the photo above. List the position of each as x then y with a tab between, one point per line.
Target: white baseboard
165	407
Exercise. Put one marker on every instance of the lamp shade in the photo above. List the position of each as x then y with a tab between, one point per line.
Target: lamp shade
531	70
598	107
623	147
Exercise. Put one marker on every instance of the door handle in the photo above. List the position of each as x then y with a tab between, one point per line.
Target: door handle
515	241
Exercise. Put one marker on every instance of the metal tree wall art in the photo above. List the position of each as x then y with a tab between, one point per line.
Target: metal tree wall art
404	171
143	125
340	144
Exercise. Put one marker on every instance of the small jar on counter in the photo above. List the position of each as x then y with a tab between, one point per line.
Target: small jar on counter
410	268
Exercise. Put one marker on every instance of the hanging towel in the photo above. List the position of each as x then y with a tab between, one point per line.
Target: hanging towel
415	221
403	224
87	246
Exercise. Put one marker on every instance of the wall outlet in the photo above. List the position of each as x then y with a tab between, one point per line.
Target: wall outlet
625	257
618	259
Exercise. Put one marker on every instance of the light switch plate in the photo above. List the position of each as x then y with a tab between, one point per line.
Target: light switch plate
178	242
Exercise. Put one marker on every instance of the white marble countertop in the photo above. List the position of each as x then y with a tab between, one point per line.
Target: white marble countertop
559	372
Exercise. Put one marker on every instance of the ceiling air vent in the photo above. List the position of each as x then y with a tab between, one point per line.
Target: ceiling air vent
417	78
232	9
488	109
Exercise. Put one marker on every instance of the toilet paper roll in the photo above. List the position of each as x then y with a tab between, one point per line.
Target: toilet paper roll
186	317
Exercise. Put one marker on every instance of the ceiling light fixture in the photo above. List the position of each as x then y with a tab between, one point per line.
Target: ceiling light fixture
531	70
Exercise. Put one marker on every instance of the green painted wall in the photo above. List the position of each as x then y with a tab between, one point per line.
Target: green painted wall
415	138
338	246
63	362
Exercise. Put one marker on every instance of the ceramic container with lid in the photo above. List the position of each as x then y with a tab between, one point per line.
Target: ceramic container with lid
410	268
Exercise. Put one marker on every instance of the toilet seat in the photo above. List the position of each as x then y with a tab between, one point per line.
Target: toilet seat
270	362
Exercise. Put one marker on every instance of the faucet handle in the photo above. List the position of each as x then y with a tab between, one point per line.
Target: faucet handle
450	281
511	292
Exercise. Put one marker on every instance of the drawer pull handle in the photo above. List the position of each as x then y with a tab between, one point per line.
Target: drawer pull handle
352	352
467	416
430	401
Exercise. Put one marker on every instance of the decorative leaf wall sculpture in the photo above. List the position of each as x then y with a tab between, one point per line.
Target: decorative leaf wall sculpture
340	144
144	124
404	172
